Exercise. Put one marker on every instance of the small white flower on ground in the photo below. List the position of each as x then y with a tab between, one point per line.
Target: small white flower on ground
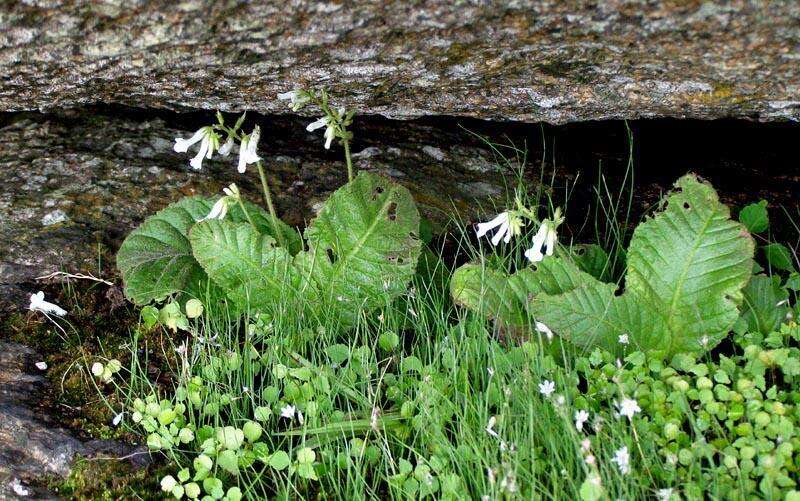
490	371
97	369
247	150
117	419
581	417
544	330
490	427
547	388
664	494
704	341
297	98
42	366
586	444
18	488
590	460
560	400
288	411
503	225
622	460
623	339
628	407
39	304
373	418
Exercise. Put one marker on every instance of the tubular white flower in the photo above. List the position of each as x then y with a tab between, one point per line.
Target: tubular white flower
247	150
205	151
226	148
318	124
501	222
544	243
544	330
490	427
182	145
218	210
330	133
39	304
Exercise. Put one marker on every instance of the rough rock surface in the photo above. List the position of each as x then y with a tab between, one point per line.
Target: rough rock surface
555	61
73	185
32	443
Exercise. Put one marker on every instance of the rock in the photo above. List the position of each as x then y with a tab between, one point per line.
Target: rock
553	61
32	443
73	185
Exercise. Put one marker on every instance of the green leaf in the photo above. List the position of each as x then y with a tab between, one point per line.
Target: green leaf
279	460
592	259
505	298
228	460
755	217
363	246
245	264
779	257
760	309
156	258
687	266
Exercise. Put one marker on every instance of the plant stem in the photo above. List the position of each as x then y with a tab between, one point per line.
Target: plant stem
347	159
247	214
268	199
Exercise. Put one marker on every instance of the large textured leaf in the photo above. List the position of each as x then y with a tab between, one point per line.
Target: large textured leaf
504	297
689	263
156	258
245	264
495	294
363	246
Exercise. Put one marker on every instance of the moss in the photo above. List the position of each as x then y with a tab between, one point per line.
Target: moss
109	480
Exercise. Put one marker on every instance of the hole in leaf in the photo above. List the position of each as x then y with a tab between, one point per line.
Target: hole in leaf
379	190
581	251
392	211
686	205
331	255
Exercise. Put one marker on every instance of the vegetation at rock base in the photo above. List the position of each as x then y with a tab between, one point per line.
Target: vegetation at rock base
356	359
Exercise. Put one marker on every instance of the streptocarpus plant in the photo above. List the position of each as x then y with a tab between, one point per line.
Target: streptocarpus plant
359	252
686	269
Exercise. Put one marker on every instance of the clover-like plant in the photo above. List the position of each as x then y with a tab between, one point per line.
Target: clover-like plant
686	268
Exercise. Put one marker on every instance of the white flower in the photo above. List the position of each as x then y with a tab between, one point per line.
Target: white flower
42	366
226	148
581	417
590	460
288	411
39	304
623	339
490	427
490	371
704	341
328	122
297	98
547	388
502	222
18	488
97	369
664	494
117	419
781	303
247	150
622	459
544	330
586	444
628	407
218	210
544	242
207	140
373	418
182	145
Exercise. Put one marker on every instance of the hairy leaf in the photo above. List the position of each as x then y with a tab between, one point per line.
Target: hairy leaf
245	264
363	246
156	259
765	305
689	264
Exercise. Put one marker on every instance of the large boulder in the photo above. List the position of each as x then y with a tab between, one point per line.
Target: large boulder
555	61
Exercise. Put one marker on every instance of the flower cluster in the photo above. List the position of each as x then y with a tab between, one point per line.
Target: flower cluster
209	139
508	224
